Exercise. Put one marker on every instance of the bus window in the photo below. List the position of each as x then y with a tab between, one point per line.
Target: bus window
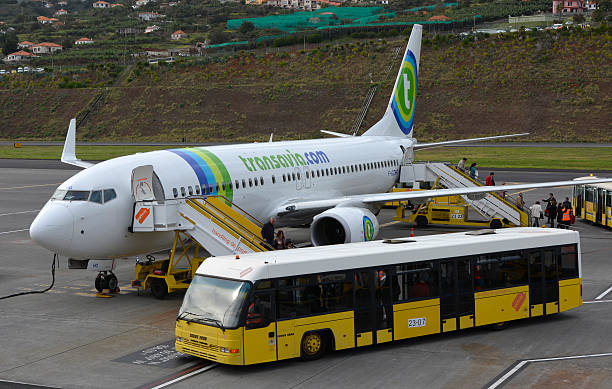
337	292
260	313
569	261
308	297
500	270
414	281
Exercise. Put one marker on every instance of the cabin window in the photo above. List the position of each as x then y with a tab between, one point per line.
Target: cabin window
190	189
197	189
326	171
307	175
273	179
223	186
243	183
229	185
217	187
255	180
298	176
284	178
250	182
182	191
175	192
210	188
96	197
293	176
237	184
261	180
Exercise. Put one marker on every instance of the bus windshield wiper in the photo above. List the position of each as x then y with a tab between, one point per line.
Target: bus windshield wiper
215	321
182	316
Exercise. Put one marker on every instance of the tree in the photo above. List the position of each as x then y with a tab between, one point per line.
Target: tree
578	18
246	27
218	36
9	45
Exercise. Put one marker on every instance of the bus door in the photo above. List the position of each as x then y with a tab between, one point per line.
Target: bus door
456	294
579	201
260	329
543	282
373	307
600	209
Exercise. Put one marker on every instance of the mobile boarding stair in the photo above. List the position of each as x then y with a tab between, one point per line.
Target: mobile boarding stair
212	222
475	209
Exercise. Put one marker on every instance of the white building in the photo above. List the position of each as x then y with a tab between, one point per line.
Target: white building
46	48
101	4
150	16
84	41
18	56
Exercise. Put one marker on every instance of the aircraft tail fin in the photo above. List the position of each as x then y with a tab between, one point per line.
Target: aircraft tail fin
399	116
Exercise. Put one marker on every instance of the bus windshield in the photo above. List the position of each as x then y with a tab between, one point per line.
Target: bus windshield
214	301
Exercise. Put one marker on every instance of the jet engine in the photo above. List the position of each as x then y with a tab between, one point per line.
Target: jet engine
343	225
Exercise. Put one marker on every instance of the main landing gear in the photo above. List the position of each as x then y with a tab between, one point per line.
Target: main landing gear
107	280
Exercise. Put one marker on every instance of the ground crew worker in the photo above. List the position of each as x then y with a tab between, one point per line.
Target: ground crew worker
567	217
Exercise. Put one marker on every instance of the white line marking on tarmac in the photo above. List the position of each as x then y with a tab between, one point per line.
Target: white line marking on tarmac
174	381
18	213
516	368
604	293
597	301
389	224
10	232
28	186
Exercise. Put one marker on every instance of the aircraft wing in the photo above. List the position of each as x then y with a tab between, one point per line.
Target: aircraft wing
379	198
69	153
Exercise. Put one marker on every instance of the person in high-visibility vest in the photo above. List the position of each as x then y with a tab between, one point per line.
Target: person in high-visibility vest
567	217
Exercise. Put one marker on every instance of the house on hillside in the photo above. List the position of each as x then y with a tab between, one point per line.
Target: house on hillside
46	48
151	29
116	5
25	45
60	12
439	18
140	3
46	20
591	5
569	6
84	41
178	34
147	16
19	56
62	3
101	4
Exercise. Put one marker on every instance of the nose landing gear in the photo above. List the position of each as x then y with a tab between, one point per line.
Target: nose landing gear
107	280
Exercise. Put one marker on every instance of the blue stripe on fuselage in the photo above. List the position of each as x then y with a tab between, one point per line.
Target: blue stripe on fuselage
190	158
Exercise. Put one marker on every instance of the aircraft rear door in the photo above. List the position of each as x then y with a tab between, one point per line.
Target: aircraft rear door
298	177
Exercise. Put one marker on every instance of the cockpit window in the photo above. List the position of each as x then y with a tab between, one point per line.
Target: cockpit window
59	194
96	197
109	194
77	195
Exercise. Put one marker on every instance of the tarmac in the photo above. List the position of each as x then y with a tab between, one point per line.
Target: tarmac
68	338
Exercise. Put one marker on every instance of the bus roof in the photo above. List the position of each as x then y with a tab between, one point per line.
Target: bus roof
284	263
603	185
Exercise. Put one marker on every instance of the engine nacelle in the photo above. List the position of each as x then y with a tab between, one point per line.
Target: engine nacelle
343	225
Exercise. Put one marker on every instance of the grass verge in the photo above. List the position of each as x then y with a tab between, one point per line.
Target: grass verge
580	158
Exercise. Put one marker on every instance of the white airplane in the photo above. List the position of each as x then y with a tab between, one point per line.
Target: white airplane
336	184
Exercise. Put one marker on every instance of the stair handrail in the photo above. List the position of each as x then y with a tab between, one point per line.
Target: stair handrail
258	240
251	218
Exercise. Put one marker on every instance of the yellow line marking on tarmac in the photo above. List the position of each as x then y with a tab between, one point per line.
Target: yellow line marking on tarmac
28	186
85	294
523	191
389	224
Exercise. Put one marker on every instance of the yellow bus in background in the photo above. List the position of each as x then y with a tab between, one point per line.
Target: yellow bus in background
593	203
283	304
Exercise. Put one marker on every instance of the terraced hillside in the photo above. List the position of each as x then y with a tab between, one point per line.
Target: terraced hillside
556	85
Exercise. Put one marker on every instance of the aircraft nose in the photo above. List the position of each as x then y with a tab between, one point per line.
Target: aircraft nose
52	228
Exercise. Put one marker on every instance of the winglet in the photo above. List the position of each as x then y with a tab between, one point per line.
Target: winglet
68	154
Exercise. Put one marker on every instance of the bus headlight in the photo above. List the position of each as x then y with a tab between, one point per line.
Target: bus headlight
224	350
179	339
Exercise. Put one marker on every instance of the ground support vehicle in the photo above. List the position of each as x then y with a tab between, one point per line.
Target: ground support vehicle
172	274
270	306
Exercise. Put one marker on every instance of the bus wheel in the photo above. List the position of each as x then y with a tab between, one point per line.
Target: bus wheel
313	345
495	224
421	221
159	289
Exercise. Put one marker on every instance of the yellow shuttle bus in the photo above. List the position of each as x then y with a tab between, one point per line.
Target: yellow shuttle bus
594	203
277	305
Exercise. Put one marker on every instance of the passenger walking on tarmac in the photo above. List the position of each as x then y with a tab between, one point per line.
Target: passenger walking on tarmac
290	244
267	231
490	179
536	213
473	171
552	213
567	203
461	164
520	203
551	199
280	243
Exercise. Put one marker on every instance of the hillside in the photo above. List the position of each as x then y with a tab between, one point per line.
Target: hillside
555	85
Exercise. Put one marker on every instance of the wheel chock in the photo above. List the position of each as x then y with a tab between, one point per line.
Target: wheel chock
106	293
